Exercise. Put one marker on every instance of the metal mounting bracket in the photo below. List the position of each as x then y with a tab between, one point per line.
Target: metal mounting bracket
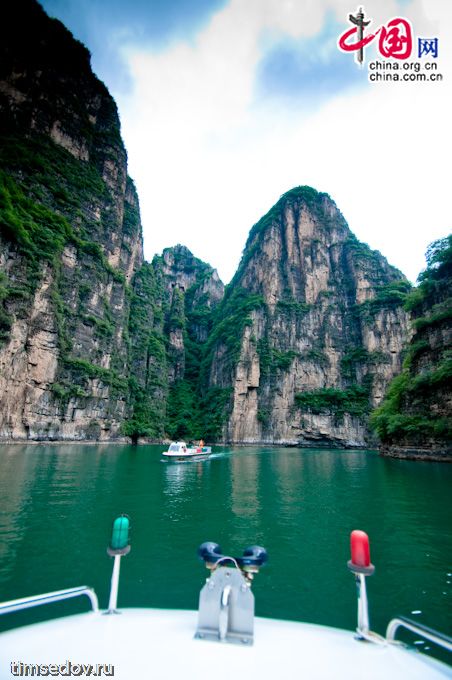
226	608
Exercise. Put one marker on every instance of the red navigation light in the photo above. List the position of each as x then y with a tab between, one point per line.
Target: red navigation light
359	544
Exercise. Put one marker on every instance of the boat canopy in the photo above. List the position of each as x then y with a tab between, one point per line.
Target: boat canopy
177	446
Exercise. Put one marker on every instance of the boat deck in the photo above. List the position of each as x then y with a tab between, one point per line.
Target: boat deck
160	644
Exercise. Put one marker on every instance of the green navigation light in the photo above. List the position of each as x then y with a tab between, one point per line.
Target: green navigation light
120	534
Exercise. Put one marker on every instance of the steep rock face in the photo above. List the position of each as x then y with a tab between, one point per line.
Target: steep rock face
193	289
311	329
172	305
415	419
182	270
70	237
94	342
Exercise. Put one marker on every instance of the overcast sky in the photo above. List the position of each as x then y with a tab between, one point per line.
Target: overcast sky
227	104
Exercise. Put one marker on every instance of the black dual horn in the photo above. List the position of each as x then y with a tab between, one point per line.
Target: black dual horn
253	556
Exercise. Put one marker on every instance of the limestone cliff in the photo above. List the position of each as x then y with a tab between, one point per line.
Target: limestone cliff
171	316
96	344
310	331
70	240
415	419
193	289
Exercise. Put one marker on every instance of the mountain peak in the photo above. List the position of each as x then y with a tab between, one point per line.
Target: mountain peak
306	305
300	196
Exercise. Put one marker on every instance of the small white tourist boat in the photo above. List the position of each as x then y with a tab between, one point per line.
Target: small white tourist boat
179	451
222	640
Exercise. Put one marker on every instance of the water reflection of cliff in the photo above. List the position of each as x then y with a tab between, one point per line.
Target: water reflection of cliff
245	500
18	471
44	490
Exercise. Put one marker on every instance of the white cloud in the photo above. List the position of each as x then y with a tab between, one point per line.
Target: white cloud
208	160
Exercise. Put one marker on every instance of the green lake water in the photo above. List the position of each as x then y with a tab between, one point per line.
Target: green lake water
57	504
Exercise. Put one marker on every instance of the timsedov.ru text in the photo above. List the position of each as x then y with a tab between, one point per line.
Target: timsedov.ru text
67	669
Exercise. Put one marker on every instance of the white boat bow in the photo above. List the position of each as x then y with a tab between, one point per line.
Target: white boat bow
223	640
160	644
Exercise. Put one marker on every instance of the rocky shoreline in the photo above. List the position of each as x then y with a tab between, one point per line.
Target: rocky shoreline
413	453
401	452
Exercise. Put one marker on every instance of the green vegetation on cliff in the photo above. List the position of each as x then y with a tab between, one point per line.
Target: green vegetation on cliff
147	361
39	233
43	195
353	400
231	317
272	359
387	296
416	410
195	409
172	311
